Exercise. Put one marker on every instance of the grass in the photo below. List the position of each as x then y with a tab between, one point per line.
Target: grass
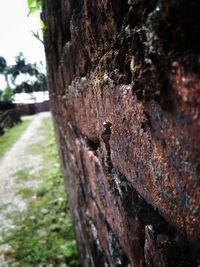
11	136
25	192
44	237
22	175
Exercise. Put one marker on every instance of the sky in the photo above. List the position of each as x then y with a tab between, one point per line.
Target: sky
15	33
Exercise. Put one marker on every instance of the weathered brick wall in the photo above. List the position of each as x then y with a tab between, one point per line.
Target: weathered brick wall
125	91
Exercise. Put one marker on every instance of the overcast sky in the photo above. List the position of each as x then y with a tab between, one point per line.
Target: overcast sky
15	33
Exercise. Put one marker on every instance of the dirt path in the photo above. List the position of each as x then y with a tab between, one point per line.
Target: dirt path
17	159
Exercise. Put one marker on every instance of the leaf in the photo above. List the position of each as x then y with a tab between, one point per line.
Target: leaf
34	5
42	25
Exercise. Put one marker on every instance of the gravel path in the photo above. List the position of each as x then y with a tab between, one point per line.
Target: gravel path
17	159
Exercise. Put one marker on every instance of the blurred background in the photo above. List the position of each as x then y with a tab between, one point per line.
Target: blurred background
35	221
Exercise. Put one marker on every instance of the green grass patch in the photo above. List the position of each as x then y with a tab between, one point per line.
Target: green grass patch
22	175
44	237
11	136
26	192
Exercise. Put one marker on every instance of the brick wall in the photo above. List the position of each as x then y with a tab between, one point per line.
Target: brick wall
125	91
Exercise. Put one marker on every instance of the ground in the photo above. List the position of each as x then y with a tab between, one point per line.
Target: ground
15	161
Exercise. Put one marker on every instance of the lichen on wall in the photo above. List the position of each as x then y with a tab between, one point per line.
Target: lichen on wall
124	83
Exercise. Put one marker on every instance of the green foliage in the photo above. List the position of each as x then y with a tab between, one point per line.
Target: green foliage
45	236
4	70
3	65
42	26
7	94
34	5
24	87
11	136
21	66
25	192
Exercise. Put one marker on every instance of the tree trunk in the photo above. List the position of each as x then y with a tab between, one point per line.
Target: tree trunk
124	83
7	81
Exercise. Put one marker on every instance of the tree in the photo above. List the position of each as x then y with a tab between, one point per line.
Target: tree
1	92
21	66
32	70
24	87
4	70
7	94
3	65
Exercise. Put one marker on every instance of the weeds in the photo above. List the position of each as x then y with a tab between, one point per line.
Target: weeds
11	135
22	175
44	235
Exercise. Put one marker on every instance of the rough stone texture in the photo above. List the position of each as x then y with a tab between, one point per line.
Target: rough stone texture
125	91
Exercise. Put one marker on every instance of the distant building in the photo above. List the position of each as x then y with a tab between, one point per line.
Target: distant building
31	103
